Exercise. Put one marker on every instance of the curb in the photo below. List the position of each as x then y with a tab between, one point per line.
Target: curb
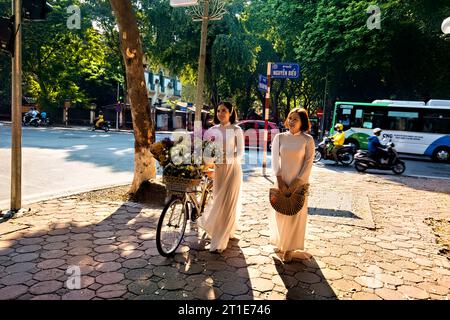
44	197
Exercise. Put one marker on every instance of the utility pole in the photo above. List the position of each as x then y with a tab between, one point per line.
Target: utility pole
32	10
266	118
16	112
324	106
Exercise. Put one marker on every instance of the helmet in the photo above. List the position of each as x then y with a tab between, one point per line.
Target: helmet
377	130
339	126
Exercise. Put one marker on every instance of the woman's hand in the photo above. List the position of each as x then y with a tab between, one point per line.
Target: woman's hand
294	185
281	184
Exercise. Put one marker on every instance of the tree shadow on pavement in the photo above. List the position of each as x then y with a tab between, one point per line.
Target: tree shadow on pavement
209	276
112	245
304	280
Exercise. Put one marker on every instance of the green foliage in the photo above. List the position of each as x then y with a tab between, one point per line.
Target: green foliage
59	63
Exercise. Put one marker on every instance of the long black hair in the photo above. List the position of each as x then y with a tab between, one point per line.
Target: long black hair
229	106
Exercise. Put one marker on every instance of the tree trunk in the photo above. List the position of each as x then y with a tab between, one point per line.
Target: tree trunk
131	47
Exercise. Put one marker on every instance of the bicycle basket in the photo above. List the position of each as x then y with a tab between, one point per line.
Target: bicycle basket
177	184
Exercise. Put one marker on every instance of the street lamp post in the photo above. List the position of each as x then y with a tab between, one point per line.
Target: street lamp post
201	66
205	11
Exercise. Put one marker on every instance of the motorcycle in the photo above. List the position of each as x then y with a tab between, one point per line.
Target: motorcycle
364	161
40	119
345	154
27	119
105	126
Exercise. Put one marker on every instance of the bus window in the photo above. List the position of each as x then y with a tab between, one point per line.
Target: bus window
373	119
436	121
403	121
357	120
344	115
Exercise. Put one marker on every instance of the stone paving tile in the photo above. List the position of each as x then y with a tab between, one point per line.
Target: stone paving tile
12	292
15	278
84	294
109	278
323	289
370	282
210	293
262	285
19	267
111	291
434	288
143	287
45	287
47	297
330	274
390	279
389	294
413	292
105	248
53	254
132	254
25	257
409	276
51	263
135	263
49	274
108	266
172	284
307	277
365	296
106	257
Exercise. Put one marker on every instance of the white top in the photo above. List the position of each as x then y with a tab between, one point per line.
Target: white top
228	141
292	156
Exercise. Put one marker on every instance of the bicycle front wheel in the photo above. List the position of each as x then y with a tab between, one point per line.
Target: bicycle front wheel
171	227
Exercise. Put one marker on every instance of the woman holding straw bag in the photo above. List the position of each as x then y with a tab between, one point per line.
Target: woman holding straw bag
292	160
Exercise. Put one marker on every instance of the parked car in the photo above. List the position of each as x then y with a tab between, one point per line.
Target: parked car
254	132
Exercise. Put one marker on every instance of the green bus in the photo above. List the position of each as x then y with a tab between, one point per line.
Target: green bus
416	127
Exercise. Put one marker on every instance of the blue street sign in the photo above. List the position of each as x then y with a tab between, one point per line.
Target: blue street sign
285	70
262	86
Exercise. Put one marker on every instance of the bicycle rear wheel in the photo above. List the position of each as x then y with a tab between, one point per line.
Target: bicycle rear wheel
171	227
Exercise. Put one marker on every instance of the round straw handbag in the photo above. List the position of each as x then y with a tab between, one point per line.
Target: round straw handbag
288	203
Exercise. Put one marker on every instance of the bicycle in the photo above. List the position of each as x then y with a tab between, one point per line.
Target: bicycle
186	203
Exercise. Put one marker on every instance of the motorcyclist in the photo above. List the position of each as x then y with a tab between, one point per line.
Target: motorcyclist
376	149
31	115
337	140
99	120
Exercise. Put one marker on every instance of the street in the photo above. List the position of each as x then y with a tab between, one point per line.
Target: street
63	161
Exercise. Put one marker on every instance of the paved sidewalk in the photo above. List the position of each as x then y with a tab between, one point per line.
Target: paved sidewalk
371	243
